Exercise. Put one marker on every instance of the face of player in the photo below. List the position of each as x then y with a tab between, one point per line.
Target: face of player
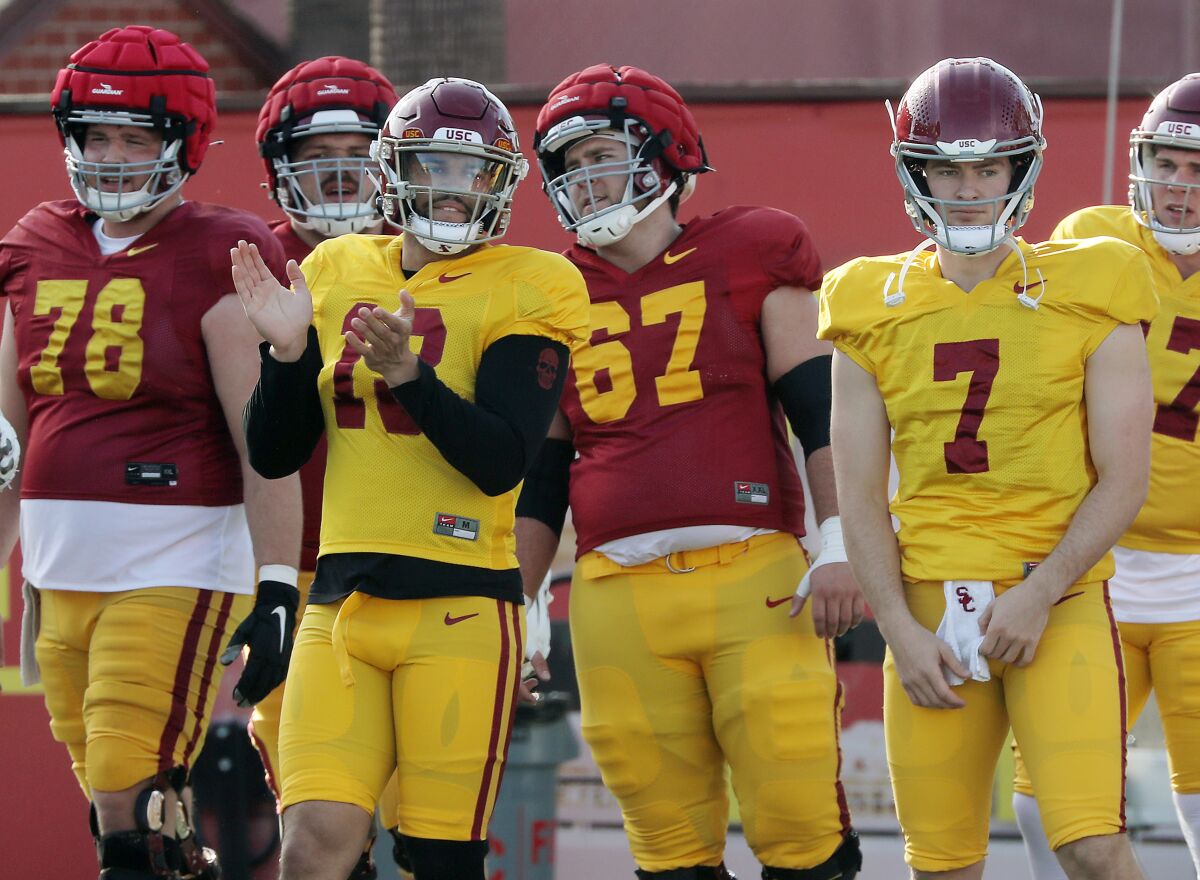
448	180
1175	204
966	183
594	193
332	182
121	144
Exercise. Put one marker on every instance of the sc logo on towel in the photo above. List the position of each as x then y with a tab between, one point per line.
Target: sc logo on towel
965	600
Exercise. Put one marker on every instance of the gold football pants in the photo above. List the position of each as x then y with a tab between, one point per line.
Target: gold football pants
131	677
424	686
682	671
1066	708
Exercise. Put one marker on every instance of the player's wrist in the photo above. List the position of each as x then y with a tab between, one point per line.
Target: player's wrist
289	353
401	374
277	585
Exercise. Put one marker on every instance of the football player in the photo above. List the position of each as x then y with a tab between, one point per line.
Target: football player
1156	588
314	133
419	356
126	365
686	498
1014	378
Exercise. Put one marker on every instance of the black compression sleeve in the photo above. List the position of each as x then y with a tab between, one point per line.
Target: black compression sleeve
283	419
494	440
806	393
545	494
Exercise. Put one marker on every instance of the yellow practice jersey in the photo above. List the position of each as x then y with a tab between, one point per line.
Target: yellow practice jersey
387	488
985	395
1169	522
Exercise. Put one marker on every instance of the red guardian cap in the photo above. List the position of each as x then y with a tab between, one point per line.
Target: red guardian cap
143	77
660	142
329	95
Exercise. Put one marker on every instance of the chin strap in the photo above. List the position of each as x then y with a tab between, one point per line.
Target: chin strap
1023	297
601	231
891	300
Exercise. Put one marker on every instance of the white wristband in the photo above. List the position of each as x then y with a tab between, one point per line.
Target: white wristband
833	547
284	574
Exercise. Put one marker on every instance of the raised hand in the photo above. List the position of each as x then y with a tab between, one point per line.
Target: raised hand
281	316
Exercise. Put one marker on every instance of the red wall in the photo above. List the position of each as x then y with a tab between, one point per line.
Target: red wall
826	162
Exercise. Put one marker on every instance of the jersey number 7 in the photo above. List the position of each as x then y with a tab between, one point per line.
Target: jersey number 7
967	454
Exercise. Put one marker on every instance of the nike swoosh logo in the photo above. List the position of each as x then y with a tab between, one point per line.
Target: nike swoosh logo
282	615
775	603
446	279
134	251
450	621
1068	596
670	258
1020	288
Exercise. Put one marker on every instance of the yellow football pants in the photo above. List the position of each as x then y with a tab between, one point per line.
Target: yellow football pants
680	673
1066	708
424	686
131	677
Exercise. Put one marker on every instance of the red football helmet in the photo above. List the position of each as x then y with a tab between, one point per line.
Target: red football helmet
662	147
451	163
331	95
968	110
1173	120
142	77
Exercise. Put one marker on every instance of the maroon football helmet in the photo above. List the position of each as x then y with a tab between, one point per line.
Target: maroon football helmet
330	95
142	77
968	110
451	163
658	139
1173	121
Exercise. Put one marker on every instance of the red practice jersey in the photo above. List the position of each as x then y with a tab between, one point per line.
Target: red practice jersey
111	358
673	419
312	475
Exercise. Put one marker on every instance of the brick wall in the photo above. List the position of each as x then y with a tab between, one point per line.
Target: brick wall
30	68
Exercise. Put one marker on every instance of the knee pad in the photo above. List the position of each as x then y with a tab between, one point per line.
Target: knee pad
445	859
697	872
137	855
844	864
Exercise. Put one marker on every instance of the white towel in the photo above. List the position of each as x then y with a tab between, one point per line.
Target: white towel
31	622
965	604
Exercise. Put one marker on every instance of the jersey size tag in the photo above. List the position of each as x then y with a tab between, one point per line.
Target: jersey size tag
456	526
751	493
146	473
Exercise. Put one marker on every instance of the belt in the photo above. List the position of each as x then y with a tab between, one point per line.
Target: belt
594	564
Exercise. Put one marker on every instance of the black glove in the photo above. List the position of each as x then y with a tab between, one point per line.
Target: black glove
268	630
